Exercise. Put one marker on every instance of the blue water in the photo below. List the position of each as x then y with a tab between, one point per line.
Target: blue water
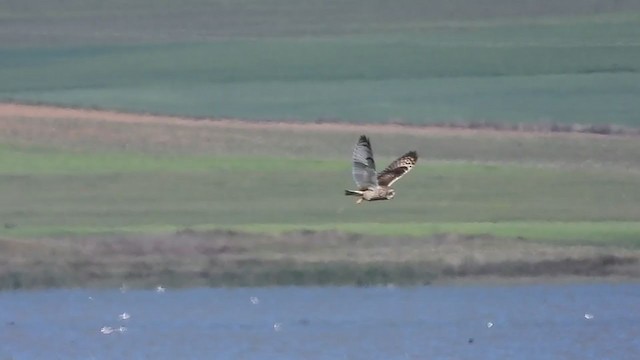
593	321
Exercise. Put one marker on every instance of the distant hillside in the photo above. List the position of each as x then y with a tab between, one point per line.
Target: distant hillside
458	61
116	21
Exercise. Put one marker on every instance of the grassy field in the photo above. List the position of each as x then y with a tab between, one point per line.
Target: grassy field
420	62
65	174
121	191
80	181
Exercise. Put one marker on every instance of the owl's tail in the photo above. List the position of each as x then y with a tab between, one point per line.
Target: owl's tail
353	193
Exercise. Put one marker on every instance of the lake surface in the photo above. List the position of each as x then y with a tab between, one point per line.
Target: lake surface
588	321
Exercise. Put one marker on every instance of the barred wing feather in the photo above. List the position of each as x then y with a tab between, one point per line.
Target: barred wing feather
398	169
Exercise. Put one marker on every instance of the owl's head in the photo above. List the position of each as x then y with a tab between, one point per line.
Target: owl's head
390	194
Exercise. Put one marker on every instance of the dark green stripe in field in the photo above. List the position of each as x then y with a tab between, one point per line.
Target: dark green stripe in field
305	60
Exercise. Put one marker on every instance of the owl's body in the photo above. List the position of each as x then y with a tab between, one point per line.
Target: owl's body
378	193
374	186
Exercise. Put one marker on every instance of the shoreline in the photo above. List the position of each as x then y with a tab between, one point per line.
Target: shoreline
220	258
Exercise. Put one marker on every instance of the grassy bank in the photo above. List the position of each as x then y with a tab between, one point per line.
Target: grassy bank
101	202
226	258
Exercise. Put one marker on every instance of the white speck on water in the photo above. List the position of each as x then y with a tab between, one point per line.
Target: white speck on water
124	316
123	288
588	316
109	330
277	326
489	325
254	300
160	289
91	298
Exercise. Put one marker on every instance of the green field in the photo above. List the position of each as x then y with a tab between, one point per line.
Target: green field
89	202
100	202
417	62
59	183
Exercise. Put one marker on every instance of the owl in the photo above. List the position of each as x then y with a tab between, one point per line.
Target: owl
371	184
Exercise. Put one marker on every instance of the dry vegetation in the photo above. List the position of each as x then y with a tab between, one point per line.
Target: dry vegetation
228	258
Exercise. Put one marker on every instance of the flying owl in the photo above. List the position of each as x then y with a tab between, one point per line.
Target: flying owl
371	184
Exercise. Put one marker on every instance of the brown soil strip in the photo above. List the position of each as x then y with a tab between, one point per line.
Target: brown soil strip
14	110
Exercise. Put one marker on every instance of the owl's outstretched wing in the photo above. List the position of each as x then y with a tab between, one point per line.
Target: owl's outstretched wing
397	169
364	167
